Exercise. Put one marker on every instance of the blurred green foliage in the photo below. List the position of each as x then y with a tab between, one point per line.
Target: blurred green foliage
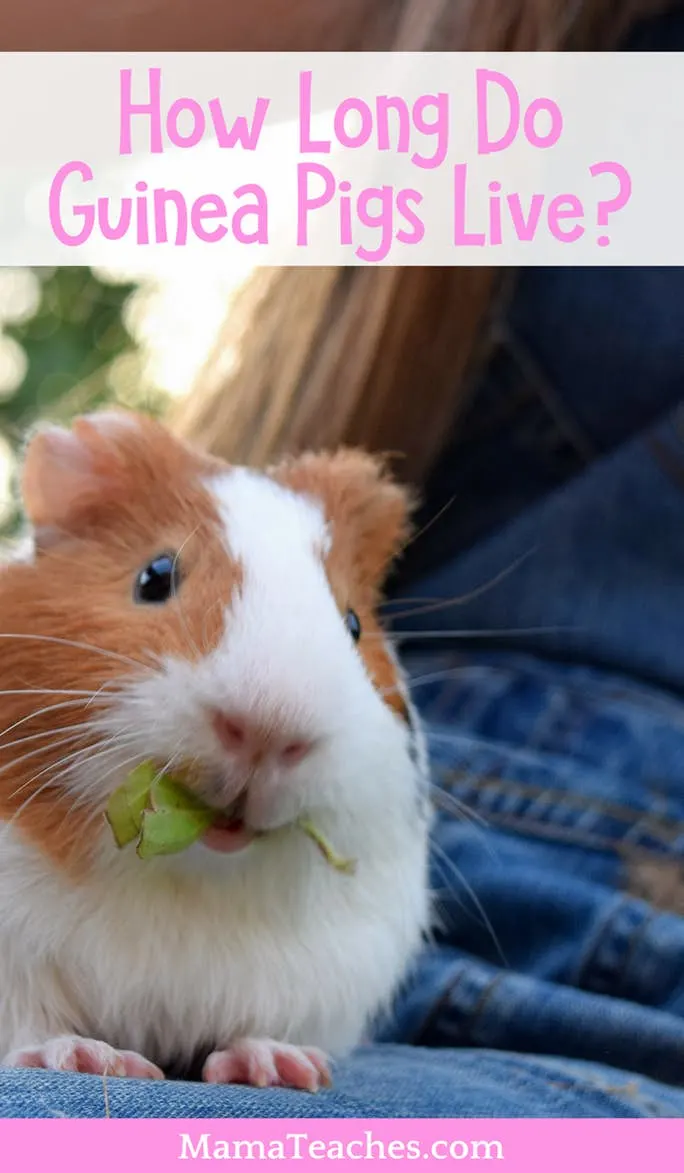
71	342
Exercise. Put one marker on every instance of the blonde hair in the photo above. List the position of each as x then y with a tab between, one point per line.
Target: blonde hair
382	358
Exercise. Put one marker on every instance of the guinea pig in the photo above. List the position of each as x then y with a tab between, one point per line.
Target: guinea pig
222	622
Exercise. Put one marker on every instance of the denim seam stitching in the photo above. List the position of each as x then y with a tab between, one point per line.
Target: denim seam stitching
480	1006
632	944
665	831
578	977
436	1008
620	811
547	831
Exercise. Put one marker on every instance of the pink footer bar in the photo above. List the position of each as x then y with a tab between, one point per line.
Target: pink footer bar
518	1146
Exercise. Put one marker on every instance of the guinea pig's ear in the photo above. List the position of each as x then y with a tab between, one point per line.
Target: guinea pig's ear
64	470
368	511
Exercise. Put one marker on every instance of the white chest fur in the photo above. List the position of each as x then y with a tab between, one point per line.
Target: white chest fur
166	961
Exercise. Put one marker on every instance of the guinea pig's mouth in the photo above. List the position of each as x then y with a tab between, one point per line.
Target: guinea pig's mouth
229	832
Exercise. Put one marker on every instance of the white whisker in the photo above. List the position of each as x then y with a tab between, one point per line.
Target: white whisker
444	800
436	676
72	643
31	798
479	633
84	752
46	692
41	713
461	600
118	766
46	733
451	866
41	749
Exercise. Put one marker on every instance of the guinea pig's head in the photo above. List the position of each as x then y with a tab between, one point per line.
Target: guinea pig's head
221	622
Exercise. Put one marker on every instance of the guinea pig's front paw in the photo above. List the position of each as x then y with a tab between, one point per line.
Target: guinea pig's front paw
71	1053
265	1063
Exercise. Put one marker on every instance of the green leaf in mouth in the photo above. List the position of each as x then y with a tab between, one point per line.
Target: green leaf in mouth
165	817
166	832
128	802
157	810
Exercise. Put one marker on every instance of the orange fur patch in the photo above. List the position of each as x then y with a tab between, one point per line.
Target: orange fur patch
369	518
80	588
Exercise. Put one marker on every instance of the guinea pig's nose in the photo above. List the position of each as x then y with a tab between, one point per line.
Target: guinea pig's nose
246	738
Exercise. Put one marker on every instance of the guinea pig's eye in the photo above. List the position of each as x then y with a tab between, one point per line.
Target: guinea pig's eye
158	581
353	625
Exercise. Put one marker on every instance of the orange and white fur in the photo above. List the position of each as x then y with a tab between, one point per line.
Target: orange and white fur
266	678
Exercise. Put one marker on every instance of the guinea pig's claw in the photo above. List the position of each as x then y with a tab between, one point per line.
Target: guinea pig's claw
87	1056
266	1063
